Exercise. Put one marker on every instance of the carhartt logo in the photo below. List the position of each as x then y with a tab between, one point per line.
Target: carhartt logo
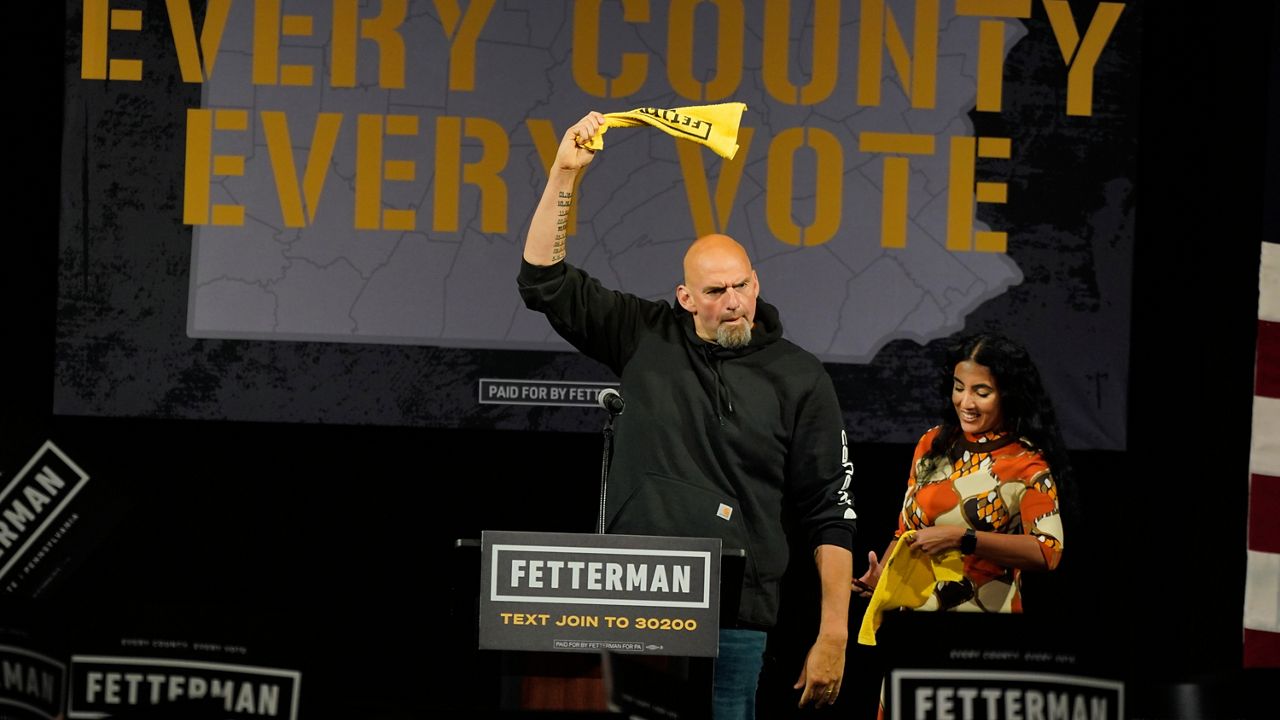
725	512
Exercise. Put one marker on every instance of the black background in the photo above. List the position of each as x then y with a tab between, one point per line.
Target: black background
330	548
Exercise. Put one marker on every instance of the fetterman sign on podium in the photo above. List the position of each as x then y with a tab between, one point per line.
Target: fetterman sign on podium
590	593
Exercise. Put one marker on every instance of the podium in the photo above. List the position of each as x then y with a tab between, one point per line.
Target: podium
530	657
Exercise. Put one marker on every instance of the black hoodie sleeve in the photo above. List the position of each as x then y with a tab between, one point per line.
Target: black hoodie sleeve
819	469
601	323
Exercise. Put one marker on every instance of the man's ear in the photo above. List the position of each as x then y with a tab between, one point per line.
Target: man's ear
755	280
686	300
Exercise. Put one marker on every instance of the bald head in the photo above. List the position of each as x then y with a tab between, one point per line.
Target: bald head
720	290
713	251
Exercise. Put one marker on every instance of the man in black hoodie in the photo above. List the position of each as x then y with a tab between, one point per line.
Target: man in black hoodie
729	428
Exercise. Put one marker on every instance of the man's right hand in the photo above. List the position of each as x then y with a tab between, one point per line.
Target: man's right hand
572	155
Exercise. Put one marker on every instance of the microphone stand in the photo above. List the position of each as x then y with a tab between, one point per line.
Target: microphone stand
604	471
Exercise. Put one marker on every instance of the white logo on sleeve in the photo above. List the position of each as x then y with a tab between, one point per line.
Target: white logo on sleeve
724	512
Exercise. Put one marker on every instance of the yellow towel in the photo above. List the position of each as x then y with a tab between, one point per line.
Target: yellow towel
907	580
715	126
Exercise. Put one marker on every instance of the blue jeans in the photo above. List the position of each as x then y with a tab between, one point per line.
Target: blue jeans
737	674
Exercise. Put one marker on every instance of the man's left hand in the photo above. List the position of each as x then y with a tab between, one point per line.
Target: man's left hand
822	672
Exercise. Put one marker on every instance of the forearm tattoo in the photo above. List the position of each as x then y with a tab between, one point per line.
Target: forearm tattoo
565	203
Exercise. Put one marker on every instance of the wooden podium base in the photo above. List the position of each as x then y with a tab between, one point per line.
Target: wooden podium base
559	681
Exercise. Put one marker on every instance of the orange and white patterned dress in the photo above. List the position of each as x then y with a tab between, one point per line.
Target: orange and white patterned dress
994	484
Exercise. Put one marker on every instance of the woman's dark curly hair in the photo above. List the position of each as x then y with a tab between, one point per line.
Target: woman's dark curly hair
1025	407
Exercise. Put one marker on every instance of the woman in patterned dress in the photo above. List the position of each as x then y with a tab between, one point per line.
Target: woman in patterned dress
986	480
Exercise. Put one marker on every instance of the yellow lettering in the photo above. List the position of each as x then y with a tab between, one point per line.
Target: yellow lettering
280	149
384	31
829	186
93	40
991	45
777	56
296	26
266	42
897	173
705	221
269	24
444	218
878	30
961	194
1081	57
728	42
484	174
130	20
462	39
97	20
184	37
201	164
586	51
372	170
198	164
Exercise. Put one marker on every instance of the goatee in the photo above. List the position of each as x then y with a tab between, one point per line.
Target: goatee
733	335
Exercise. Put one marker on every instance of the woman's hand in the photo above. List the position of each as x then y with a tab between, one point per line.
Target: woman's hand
937	539
866	584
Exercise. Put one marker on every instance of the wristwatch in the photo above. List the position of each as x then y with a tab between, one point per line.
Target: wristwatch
969	542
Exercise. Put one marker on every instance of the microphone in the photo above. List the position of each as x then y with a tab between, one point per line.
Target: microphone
611	400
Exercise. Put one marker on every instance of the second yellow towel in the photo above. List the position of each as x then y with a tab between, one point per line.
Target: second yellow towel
907	580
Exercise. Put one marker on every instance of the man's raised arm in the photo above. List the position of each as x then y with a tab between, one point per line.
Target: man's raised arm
549	230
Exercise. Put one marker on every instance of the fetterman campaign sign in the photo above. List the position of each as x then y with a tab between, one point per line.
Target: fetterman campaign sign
985	694
32	684
590	593
992	666
110	685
